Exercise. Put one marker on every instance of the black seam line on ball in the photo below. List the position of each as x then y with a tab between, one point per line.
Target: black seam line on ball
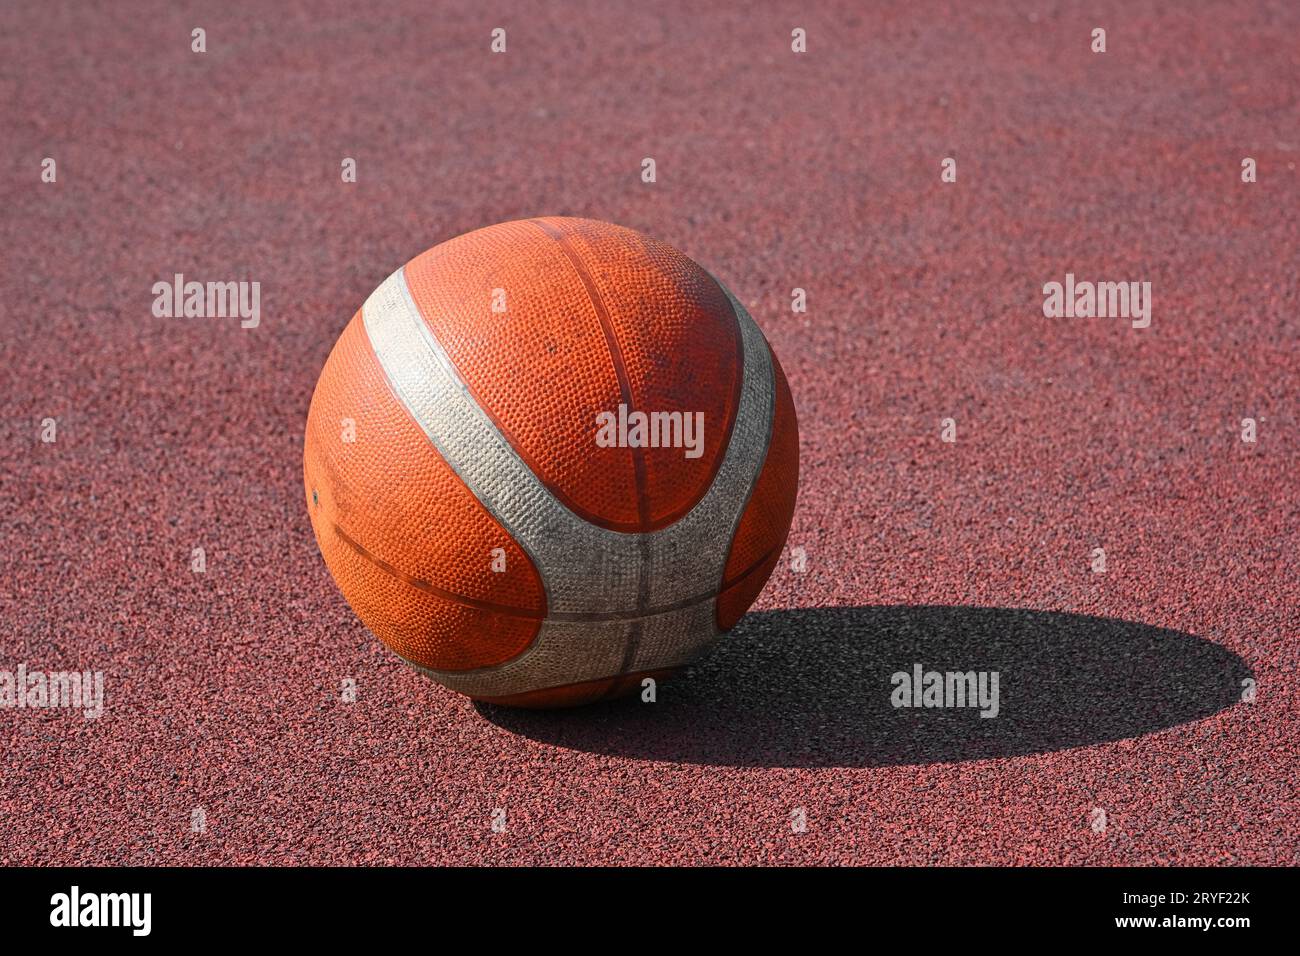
511	611
588	281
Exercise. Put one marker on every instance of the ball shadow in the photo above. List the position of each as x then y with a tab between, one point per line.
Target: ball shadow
812	688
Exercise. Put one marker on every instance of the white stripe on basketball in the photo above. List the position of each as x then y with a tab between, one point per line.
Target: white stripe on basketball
694	550
591	575
571	653
584	568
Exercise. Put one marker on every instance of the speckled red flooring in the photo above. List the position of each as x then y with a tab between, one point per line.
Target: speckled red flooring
1120	692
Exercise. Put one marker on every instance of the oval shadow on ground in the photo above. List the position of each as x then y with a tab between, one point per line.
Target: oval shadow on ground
812	688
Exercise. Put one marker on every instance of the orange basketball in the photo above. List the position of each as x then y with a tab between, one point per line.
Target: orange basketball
550	458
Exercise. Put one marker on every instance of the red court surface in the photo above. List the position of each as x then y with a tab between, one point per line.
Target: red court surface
1121	692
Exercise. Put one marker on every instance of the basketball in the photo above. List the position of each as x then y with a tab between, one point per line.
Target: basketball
550	459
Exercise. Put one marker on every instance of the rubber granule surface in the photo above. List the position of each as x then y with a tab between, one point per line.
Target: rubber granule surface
1147	712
